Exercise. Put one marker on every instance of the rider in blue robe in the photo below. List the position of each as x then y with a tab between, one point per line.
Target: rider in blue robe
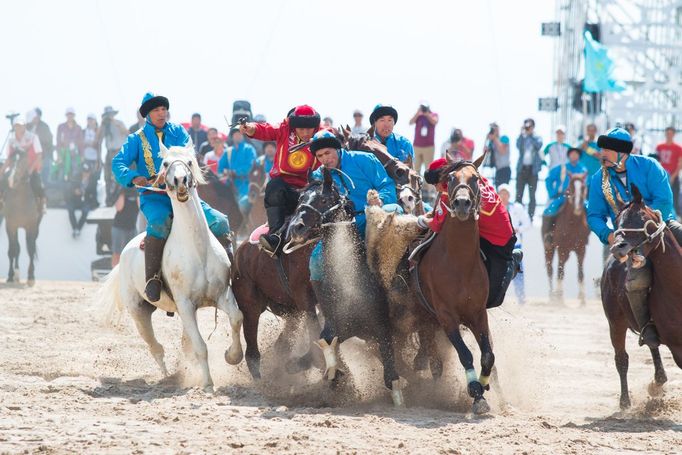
557	183
610	189
142	149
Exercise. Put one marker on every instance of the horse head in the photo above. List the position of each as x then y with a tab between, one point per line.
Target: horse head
463	191
577	192
180	171
319	205
18	171
640	230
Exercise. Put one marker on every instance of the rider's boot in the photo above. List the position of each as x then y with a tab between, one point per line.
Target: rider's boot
501	272
272	242
517	257
153	255
226	242
637	285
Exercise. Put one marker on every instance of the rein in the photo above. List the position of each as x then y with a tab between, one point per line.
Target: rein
475	196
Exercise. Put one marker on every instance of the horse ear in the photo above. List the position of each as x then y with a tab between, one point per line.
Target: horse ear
636	195
370	131
480	159
448	158
190	144
327	180
346	133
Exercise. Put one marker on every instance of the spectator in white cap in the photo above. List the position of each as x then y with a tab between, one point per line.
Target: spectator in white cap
358	127
91	145
113	133
557	149
521	224
69	146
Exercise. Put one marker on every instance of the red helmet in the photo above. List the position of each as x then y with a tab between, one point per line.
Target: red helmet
304	116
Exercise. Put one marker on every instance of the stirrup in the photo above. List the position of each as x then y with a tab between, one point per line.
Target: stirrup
156	277
641	335
267	247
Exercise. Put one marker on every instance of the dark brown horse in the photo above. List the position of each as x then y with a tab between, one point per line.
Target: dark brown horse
453	280
222	197
21	211
408	181
570	234
256	195
281	284
641	232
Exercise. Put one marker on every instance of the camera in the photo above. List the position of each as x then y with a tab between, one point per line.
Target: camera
424	108
11	116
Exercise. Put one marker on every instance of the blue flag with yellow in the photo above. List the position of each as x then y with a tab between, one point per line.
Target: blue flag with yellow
599	68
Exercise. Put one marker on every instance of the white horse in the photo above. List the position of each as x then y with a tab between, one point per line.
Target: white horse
195	268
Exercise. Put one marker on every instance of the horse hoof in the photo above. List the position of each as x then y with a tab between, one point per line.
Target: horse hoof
625	403
234	357
208	389
31	282
481	407
655	389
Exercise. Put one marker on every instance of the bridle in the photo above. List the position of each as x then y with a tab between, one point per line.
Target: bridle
164	171
649	237
326	214
475	195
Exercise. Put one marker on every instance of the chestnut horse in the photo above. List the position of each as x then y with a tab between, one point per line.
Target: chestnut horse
570	234
281	284
451	278
643	234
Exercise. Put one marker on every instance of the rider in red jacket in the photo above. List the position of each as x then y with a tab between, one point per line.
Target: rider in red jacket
494	225
289	171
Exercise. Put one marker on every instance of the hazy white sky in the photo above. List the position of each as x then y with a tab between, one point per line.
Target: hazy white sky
474	61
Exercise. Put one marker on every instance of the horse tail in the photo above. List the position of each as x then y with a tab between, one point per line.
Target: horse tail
108	298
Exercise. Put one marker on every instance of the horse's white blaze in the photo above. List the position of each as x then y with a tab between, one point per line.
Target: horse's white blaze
577	194
407	200
195	266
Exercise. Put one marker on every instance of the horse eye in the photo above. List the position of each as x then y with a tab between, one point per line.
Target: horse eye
410	198
165	164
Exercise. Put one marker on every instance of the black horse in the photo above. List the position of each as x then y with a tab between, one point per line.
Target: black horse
350	297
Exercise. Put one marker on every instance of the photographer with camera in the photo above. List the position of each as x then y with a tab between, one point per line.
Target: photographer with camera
114	133
498	148
424	122
530	162
458	147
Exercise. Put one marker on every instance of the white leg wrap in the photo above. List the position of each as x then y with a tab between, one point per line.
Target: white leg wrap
397	393
471	376
330	357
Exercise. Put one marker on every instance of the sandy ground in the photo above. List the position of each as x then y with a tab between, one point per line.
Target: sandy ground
69	385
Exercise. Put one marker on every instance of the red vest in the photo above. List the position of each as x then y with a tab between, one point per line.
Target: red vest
294	167
494	224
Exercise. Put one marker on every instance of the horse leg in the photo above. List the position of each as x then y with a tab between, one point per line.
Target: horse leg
391	378
562	257
617	331
31	247
305	362
474	387
249	302
428	350
13	254
142	315
188	316
228	304
549	257
581	277
656	388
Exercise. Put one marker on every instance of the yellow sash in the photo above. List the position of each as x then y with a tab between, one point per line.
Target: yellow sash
147	153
